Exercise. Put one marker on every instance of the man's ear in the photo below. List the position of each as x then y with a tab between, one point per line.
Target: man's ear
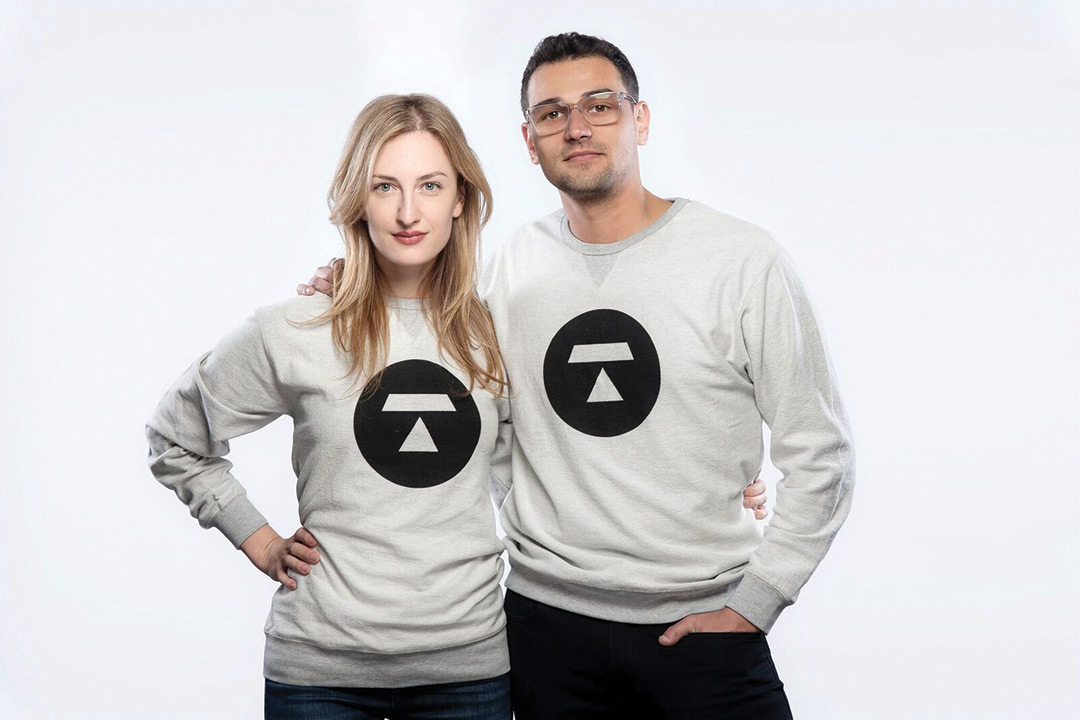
641	120
529	143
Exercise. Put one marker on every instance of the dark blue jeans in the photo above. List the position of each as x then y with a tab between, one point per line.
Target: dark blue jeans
565	665
476	700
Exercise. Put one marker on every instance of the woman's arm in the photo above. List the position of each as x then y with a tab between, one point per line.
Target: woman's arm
228	392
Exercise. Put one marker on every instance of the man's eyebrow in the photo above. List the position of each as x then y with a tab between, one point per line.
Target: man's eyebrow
583	95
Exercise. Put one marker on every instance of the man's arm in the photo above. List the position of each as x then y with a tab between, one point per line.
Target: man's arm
796	393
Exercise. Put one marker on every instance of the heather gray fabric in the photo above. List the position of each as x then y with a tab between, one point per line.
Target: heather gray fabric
407	589
641	373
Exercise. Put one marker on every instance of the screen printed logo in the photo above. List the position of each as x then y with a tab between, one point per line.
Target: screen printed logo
419	428
602	373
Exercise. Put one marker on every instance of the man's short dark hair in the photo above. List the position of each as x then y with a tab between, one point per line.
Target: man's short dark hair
571	46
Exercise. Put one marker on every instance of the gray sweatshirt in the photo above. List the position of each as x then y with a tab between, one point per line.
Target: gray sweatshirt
394	485
642	371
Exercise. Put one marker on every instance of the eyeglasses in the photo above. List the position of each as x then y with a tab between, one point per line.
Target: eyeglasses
600	108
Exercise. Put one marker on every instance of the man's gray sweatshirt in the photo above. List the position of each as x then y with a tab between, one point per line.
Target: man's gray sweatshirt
393	484
642	371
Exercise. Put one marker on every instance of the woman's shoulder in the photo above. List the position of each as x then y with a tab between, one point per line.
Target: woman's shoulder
297	315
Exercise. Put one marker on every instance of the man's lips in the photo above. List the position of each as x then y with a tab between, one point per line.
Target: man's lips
582	156
409	238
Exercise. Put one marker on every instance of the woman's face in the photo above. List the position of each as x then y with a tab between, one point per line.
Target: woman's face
411	206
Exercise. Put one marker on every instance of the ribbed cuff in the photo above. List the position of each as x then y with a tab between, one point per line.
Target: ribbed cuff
238	520
757	601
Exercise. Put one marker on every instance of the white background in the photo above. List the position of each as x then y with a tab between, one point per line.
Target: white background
163	170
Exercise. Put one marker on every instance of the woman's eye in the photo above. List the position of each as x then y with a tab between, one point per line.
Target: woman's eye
431	186
383	187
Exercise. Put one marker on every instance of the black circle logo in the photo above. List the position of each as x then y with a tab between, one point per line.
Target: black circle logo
602	373
419	427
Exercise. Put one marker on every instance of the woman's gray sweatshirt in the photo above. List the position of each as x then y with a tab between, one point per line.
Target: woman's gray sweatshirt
393	484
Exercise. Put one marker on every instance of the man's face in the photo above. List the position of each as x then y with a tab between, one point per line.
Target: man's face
586	161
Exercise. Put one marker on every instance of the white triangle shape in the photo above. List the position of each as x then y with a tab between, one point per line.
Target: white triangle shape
604	390
419	439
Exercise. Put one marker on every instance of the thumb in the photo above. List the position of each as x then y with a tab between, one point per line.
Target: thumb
677	632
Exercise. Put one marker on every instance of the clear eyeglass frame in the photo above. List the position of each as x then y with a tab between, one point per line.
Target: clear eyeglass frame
544	123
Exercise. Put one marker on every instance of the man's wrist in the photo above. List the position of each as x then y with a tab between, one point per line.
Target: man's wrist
757	602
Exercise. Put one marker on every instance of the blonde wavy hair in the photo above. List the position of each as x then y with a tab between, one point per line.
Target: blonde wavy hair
451	305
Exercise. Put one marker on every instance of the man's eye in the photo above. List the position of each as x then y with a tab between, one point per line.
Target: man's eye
600	108
551	115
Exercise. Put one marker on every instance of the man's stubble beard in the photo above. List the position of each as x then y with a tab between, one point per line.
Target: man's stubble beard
587	187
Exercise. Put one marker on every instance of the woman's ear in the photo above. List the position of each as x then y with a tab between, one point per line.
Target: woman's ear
459	206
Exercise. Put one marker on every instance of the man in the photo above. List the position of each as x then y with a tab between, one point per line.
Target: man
646	339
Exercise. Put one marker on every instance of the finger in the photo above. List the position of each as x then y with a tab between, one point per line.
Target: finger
305	536
326	272
284	578
755	502
323	286
754	489
303	289
297	564
677	632
761	512
303	552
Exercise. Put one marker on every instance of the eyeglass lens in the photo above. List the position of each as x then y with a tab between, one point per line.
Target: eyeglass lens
599	109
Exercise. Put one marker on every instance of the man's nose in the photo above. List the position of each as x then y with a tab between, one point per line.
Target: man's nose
577	128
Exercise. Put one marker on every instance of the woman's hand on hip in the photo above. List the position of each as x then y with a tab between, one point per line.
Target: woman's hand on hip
276	556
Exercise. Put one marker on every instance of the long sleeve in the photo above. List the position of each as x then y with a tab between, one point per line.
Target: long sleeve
796	393
227	392
501	479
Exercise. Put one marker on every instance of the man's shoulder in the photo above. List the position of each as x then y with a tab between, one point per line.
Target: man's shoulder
734	234
535	236
543	229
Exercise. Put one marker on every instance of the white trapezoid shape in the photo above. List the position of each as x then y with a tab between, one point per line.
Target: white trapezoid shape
600	352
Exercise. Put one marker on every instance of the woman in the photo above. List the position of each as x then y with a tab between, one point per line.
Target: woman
397	394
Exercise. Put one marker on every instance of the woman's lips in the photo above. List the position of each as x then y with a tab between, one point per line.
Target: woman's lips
409	238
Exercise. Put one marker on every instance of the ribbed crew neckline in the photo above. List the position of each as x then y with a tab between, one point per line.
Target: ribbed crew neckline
579	246
401	303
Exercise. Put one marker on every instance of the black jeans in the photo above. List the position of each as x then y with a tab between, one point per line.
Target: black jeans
569	666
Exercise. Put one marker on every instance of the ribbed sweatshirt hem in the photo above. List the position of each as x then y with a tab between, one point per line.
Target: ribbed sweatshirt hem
299	663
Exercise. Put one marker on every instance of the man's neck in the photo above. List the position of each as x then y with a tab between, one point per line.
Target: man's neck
615	216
